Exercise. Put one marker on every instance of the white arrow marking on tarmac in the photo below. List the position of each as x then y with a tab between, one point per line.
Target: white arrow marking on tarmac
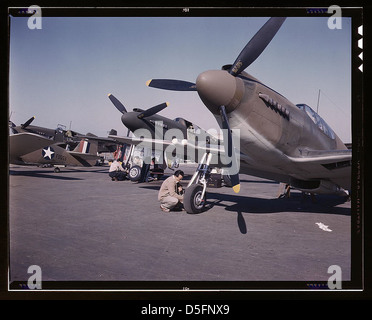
323	226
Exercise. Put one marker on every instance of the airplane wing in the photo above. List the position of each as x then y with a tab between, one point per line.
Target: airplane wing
181	148
24	143
95	138
323	156
333	165
162	145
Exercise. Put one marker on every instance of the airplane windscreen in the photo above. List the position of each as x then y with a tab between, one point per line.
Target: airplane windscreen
184	122
318	120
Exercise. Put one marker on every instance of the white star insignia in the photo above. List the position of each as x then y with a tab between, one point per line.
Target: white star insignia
48	153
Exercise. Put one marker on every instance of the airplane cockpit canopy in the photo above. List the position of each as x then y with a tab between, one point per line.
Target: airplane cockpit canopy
187	124
318	120
60	128
183	122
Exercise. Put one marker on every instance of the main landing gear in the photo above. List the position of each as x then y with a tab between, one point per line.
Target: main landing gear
195	193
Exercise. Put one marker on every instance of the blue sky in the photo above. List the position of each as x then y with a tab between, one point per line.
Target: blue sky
63	72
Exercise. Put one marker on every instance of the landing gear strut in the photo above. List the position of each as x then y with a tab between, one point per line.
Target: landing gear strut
195	195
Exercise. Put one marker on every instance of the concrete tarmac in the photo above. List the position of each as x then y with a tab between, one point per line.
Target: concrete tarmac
78	225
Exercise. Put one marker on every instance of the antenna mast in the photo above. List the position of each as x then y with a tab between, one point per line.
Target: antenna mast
317	106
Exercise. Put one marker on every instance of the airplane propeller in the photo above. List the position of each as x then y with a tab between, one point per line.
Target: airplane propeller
27	123
12	127
256	45
211	85
117	104
144	113
151	111
169	84
247	56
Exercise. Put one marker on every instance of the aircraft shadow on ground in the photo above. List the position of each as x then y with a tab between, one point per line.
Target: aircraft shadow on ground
41	174
296	203
326	204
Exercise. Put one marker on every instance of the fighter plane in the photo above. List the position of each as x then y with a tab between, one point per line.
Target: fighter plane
279	140
155	125
33	149
58	134
35	145
148	119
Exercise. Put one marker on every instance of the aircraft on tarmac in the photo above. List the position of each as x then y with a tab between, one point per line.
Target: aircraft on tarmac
58	135
33	149
34	145
61	135
279	140
139	121
149	119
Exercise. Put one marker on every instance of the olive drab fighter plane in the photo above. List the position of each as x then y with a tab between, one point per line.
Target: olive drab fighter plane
33	149
33	145
149	119
279	140
154	124
58	135
69	138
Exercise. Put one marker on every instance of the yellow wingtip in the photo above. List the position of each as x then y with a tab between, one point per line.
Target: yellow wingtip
109	94
236	188
148	82
167	103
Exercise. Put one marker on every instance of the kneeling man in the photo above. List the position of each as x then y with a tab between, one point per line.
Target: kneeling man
170	193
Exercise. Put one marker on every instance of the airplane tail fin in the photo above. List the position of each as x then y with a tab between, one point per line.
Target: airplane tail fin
86	146
86	152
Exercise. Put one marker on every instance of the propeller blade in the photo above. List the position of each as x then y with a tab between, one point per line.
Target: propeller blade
229	147
151	111
27	123
168	84
256	45
12	127
117	103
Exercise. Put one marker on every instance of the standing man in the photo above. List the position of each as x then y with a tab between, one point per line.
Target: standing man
170	193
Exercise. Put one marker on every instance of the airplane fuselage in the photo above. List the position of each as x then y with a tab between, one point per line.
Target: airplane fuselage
159	127
154	124
273	130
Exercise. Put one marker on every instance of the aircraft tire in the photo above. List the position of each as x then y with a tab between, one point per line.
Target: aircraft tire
134	173
192	201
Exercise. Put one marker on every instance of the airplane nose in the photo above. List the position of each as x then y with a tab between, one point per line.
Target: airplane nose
217	88
128	120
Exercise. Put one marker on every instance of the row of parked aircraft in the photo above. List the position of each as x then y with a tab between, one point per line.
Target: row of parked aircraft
278	140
